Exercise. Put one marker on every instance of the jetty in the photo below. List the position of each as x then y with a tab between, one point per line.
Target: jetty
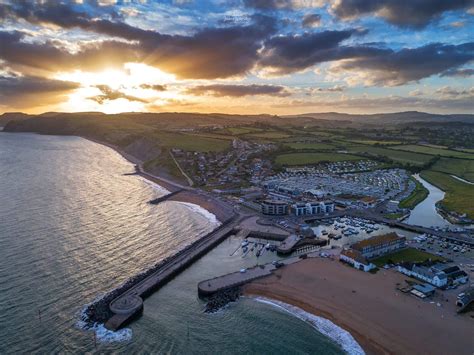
209	287
129	304
160	199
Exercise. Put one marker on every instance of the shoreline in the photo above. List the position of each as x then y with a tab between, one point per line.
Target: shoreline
187	195
380	318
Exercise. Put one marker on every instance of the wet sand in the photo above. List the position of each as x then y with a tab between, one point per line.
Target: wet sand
382	319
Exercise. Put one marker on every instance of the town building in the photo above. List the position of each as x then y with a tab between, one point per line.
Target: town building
274	207
312	208
423	290
425	273
356	259
380	245
465	298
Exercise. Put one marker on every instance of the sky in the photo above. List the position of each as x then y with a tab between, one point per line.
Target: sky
237	56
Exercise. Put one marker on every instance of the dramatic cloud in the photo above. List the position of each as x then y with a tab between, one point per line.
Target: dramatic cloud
407	65
335	88
208	54
462	73
311	20
23	91
155	87
448	91
109	94
17	51
221	90
293	53
283	4
409	13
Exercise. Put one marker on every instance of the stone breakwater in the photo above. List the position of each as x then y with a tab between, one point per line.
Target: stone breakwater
220	299
99	310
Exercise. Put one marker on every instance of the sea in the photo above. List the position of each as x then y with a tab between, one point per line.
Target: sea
75	223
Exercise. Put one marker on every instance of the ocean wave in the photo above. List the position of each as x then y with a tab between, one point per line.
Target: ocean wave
154	185
202	211
342	337
102	334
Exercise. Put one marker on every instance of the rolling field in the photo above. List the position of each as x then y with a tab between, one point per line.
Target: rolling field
312	158
459	195
434	151
459	167
242	130
372	142
315	146
269	135
192	142
395	155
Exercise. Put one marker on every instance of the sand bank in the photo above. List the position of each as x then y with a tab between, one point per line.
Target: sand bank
381	319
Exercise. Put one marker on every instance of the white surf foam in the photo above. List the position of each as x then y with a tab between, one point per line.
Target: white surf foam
155	186
202	211
342	337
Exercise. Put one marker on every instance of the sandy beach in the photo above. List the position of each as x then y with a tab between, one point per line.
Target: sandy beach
381	319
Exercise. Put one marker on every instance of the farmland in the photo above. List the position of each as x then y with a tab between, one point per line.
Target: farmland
395	155
459	167
434	151
459	195
312	158
309	146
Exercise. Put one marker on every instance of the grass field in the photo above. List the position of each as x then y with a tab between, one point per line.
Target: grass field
312	158
243	130
192	142
459	195
462	168
269	135
405	255
372	142
395	155
418	195
315	146
434	151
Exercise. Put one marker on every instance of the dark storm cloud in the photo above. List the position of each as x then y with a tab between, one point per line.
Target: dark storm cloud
19	91
293	53
109	94
221	90
46	56
311	20
208	54
404	13
410	64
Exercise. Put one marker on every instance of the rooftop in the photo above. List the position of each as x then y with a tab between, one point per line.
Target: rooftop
376	240
355	255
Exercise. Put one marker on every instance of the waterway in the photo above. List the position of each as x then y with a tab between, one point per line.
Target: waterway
73	226
425	213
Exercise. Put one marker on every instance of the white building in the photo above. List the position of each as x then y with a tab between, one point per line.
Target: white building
312	208
274	207
356	259
425	273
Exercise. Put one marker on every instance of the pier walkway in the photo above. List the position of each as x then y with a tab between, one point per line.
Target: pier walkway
235	279
126	306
